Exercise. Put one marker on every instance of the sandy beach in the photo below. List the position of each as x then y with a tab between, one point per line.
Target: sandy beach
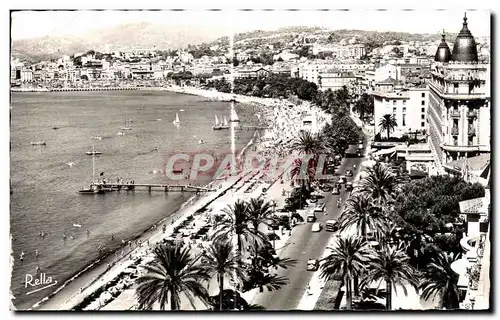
284	123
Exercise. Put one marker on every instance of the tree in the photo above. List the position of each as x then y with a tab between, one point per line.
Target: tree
388	123
221	260
380	183
364	214
392	266
347	260
441	280
308	143
364	105
236	225
171	273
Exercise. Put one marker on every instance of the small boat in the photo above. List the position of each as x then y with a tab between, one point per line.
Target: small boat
93	152
125	128
155	149
176	121
55	128
158	119
77	225
201	141
71	164
97	138
182	110
234	116
120	133
177	171
39	143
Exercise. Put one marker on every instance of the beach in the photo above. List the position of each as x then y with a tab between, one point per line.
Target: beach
279	133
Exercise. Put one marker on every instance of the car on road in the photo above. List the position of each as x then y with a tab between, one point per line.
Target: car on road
349	173
331	225
312	265
316	227
342	179
335	191
326	188
348	186
320	208
311	217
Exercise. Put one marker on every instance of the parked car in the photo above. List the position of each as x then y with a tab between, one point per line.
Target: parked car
312	265
348	173
316	227
335	191
348	186
311	217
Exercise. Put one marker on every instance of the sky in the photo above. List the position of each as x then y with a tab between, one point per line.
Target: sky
57	23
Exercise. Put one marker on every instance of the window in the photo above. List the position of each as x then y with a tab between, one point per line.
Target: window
423	94
404	109
404	102
422	124
422	117
404	120
423	110
423	102
393	110
393	101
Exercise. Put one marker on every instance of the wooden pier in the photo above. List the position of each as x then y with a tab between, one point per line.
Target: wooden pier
153	187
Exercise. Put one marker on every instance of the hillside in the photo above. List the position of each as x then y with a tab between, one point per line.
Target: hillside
123	37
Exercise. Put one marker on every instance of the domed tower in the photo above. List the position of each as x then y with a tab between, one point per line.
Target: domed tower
443	53
465	49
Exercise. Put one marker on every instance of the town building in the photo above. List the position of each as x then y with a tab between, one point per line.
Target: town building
459	104
407	105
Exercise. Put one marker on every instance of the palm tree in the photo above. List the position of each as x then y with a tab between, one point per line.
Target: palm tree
309	143
221	260
260	212
172	272
390	264
236	225
364	214
347	259
388	123
440	279
380	182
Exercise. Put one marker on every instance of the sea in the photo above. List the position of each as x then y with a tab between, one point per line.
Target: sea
45	179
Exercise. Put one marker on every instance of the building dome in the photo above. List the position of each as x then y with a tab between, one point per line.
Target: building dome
443	53
465	49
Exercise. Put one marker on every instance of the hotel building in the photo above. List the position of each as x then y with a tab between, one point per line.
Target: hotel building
459	101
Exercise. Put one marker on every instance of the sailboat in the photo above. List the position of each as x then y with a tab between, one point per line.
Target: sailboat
217	125
176	121
234	116
226	125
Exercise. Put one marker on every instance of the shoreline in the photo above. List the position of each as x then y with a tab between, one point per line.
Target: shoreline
79	286
96	266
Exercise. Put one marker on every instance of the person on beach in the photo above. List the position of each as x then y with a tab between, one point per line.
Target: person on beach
64	236
112	237
37	269
36	253
164	228
21	256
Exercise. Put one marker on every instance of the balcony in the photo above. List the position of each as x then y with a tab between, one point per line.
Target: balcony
472	114
454	132
472	132
455	114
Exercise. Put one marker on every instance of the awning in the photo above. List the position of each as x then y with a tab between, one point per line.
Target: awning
384	151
